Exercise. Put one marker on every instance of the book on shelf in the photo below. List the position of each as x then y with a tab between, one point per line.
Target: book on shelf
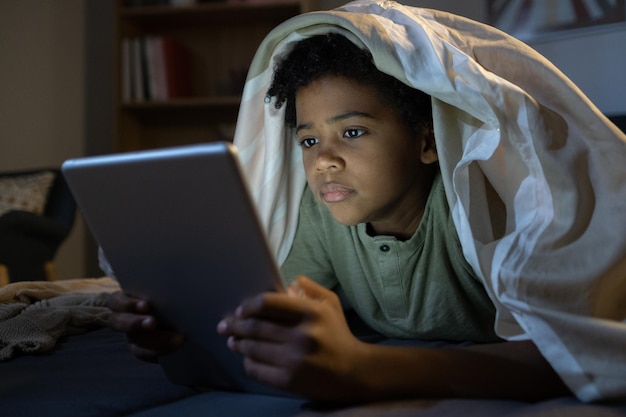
155	68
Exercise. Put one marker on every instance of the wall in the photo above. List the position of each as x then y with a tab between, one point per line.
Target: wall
98	55
41	104
595	60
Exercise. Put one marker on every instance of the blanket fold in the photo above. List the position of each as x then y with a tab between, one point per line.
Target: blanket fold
30	291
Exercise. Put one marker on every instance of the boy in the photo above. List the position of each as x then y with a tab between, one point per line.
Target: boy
373	168
374	189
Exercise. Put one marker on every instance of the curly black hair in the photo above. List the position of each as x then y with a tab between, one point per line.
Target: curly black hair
334	54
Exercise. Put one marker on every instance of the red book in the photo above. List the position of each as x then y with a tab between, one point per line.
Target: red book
177	68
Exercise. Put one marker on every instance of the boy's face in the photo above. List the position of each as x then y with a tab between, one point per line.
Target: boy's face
361	160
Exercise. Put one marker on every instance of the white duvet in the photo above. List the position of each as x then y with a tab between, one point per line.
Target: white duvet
508	124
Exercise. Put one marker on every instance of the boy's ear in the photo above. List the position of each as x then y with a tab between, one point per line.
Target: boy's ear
428	148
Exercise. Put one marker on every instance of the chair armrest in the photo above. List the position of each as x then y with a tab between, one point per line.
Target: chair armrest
26	223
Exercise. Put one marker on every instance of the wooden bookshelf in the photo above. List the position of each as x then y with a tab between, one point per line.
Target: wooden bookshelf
221	39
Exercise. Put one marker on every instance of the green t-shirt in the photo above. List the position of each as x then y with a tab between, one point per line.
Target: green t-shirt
421	288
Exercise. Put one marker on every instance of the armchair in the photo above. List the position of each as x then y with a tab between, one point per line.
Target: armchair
37	212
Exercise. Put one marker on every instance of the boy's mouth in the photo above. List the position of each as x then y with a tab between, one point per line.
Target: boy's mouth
334	193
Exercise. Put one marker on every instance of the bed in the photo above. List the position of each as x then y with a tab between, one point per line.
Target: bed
88	371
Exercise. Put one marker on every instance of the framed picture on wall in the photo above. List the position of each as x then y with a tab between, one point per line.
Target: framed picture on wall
528	19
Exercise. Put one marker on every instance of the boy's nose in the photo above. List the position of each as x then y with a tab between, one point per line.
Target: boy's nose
328	158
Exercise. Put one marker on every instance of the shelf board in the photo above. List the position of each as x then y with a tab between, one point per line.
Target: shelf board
183	103
195	111
218	12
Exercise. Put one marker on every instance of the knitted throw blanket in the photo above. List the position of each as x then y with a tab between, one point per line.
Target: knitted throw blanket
34	315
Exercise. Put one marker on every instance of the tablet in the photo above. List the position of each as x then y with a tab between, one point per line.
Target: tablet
179	228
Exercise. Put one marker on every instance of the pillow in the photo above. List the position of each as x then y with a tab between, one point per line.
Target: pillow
26	192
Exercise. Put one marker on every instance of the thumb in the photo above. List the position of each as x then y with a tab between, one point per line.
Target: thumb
305	287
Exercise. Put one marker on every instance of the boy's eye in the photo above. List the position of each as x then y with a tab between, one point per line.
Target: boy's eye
307	142
353	133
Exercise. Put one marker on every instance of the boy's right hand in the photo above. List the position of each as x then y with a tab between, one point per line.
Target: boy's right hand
132	316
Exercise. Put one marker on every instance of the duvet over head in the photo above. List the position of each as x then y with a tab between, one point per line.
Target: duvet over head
514	136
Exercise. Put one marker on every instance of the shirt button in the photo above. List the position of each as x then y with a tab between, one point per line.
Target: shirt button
385	248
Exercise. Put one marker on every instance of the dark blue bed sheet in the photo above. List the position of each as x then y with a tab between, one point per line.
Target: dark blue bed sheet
94	375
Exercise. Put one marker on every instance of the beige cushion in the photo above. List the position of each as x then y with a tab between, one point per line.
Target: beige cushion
25	192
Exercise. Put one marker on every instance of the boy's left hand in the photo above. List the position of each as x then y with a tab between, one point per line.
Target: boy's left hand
298	341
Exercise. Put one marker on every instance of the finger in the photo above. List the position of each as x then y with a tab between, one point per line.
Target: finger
254	329
130	322
279	307
269	374
275	354
147	355
305	287
120	302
